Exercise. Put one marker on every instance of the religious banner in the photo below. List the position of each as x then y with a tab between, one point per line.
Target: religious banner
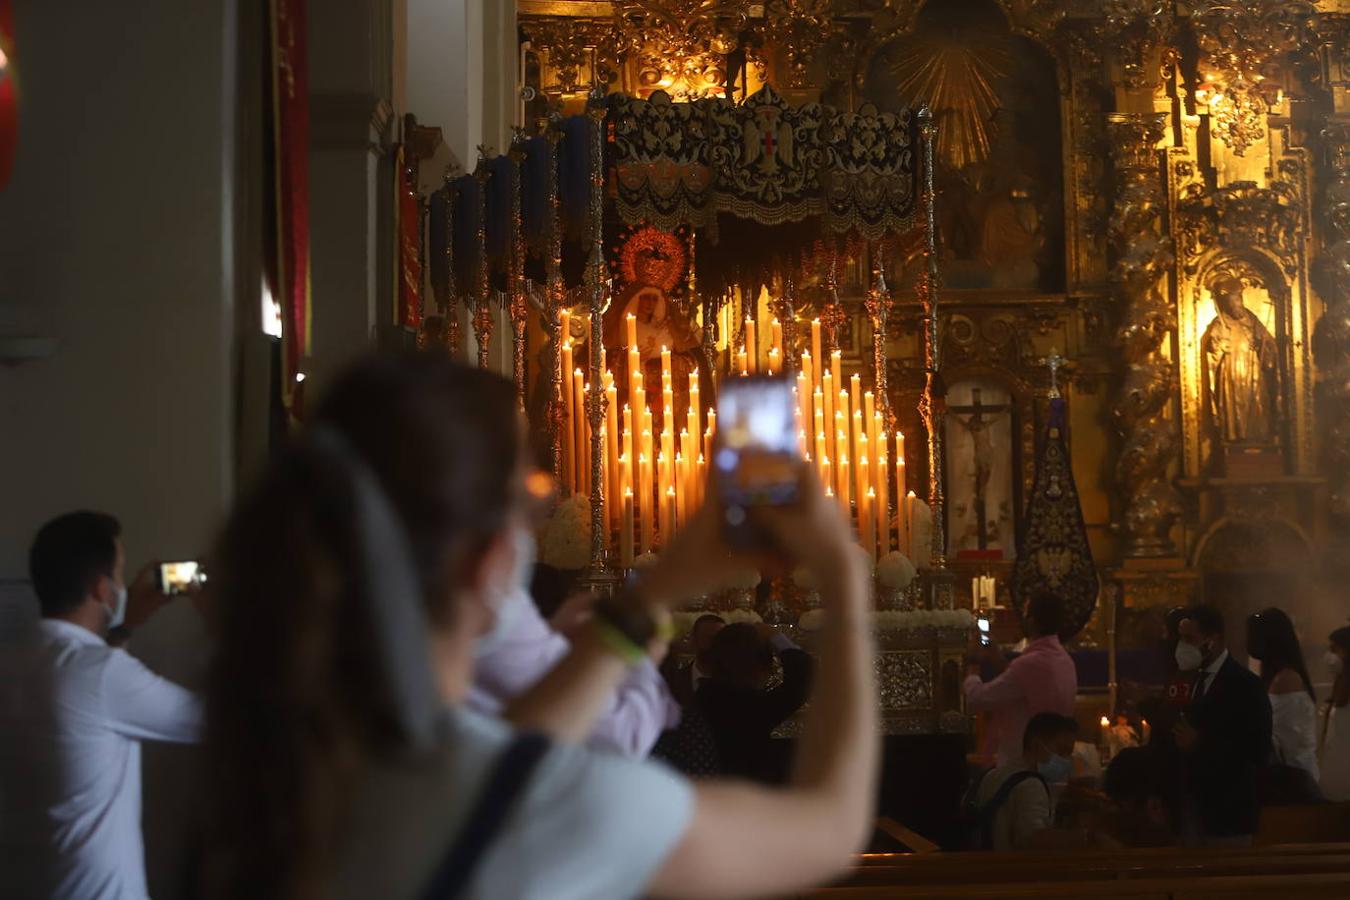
9	96
290	112
409	232
1054	554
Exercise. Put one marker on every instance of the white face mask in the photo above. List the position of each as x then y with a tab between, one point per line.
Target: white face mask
1334	662
1188	656
511	589
117	614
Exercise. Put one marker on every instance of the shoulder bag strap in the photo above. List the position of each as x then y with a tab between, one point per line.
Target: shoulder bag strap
508	780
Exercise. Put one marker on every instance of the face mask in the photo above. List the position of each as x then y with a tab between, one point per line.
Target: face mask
1056	769
118	613
507	596
1334	662
1189	657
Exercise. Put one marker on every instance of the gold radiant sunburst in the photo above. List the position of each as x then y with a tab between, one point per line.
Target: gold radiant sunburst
955	73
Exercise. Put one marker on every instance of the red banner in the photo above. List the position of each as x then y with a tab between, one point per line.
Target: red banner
290	93
9	95
409	243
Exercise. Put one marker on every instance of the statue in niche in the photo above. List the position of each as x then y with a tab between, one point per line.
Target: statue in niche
1241	363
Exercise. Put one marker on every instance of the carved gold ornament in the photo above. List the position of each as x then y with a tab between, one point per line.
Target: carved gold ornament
681	46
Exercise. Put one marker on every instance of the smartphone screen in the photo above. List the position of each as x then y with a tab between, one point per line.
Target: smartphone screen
983	624
757	456
179	577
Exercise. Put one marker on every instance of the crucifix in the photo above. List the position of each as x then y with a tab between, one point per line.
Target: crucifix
978	421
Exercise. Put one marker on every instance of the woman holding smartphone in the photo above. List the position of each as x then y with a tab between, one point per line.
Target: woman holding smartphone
355	582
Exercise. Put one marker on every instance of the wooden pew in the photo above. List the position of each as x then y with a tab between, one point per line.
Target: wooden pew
1316	886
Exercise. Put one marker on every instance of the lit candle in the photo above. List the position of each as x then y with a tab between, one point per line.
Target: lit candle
876	436
909	529
815	347
580	453
803	395
627	447
808	369
840	456
869	535
569	416
665	367
742	362
645	500
836	361
901	509
751	346
859	431
860	488
855	393
863	475
682	494
630	321
626	531
776	329
843	477
883	505
826	474
827	391
701	478
774	364
668	521
612	444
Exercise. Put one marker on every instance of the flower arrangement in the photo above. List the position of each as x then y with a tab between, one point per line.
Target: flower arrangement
566	539
645	561
740	614
895	571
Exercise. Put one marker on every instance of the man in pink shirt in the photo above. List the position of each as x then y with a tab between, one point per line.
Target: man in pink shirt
1041	679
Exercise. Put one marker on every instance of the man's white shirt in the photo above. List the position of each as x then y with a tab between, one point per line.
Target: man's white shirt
72	714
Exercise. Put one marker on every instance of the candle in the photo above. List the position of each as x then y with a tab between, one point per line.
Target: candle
1148	730
876	436
803	397
836	361
630	322
818	408
859	431
701	479
776	329
883	505
635	387
774	364
742	362
901	510
826	474
855	393
751	347
627	447
645	502
863	475
869	535
842	477
808	370
913	551
665	368
612	445
569	417
681	495
626	531
579	454
827	391
668	517
815	346
861	488
840	456
565	330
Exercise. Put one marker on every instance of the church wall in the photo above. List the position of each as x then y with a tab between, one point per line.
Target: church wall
115	241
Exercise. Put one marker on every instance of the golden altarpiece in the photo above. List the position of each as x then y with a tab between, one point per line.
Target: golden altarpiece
1156	191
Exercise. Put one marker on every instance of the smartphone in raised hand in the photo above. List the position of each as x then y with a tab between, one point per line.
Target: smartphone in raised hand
756	454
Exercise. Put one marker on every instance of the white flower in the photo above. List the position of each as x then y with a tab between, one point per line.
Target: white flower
812	620
566	539
645	561
804	578
740	615
895	571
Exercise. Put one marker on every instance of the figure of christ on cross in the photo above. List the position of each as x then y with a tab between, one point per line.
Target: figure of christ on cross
978	423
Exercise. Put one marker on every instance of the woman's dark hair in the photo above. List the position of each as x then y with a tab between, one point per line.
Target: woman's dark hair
1271	639
1047	611
297	695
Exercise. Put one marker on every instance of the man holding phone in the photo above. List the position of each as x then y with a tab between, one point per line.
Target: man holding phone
70	730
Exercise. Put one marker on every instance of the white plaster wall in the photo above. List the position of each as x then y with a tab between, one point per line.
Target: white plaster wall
115	239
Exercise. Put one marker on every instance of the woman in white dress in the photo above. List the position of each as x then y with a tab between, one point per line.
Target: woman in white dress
1271	641
1335	758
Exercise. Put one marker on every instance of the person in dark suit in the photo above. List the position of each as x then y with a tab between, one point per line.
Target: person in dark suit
1224	735
740	706
683	679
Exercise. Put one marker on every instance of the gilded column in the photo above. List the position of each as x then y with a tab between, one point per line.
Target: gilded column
1143	255
451	299
519	307
1331	342
555	298
482	312
933	403
595	401
878	310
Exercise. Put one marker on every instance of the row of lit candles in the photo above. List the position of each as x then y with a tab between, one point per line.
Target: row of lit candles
665	487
